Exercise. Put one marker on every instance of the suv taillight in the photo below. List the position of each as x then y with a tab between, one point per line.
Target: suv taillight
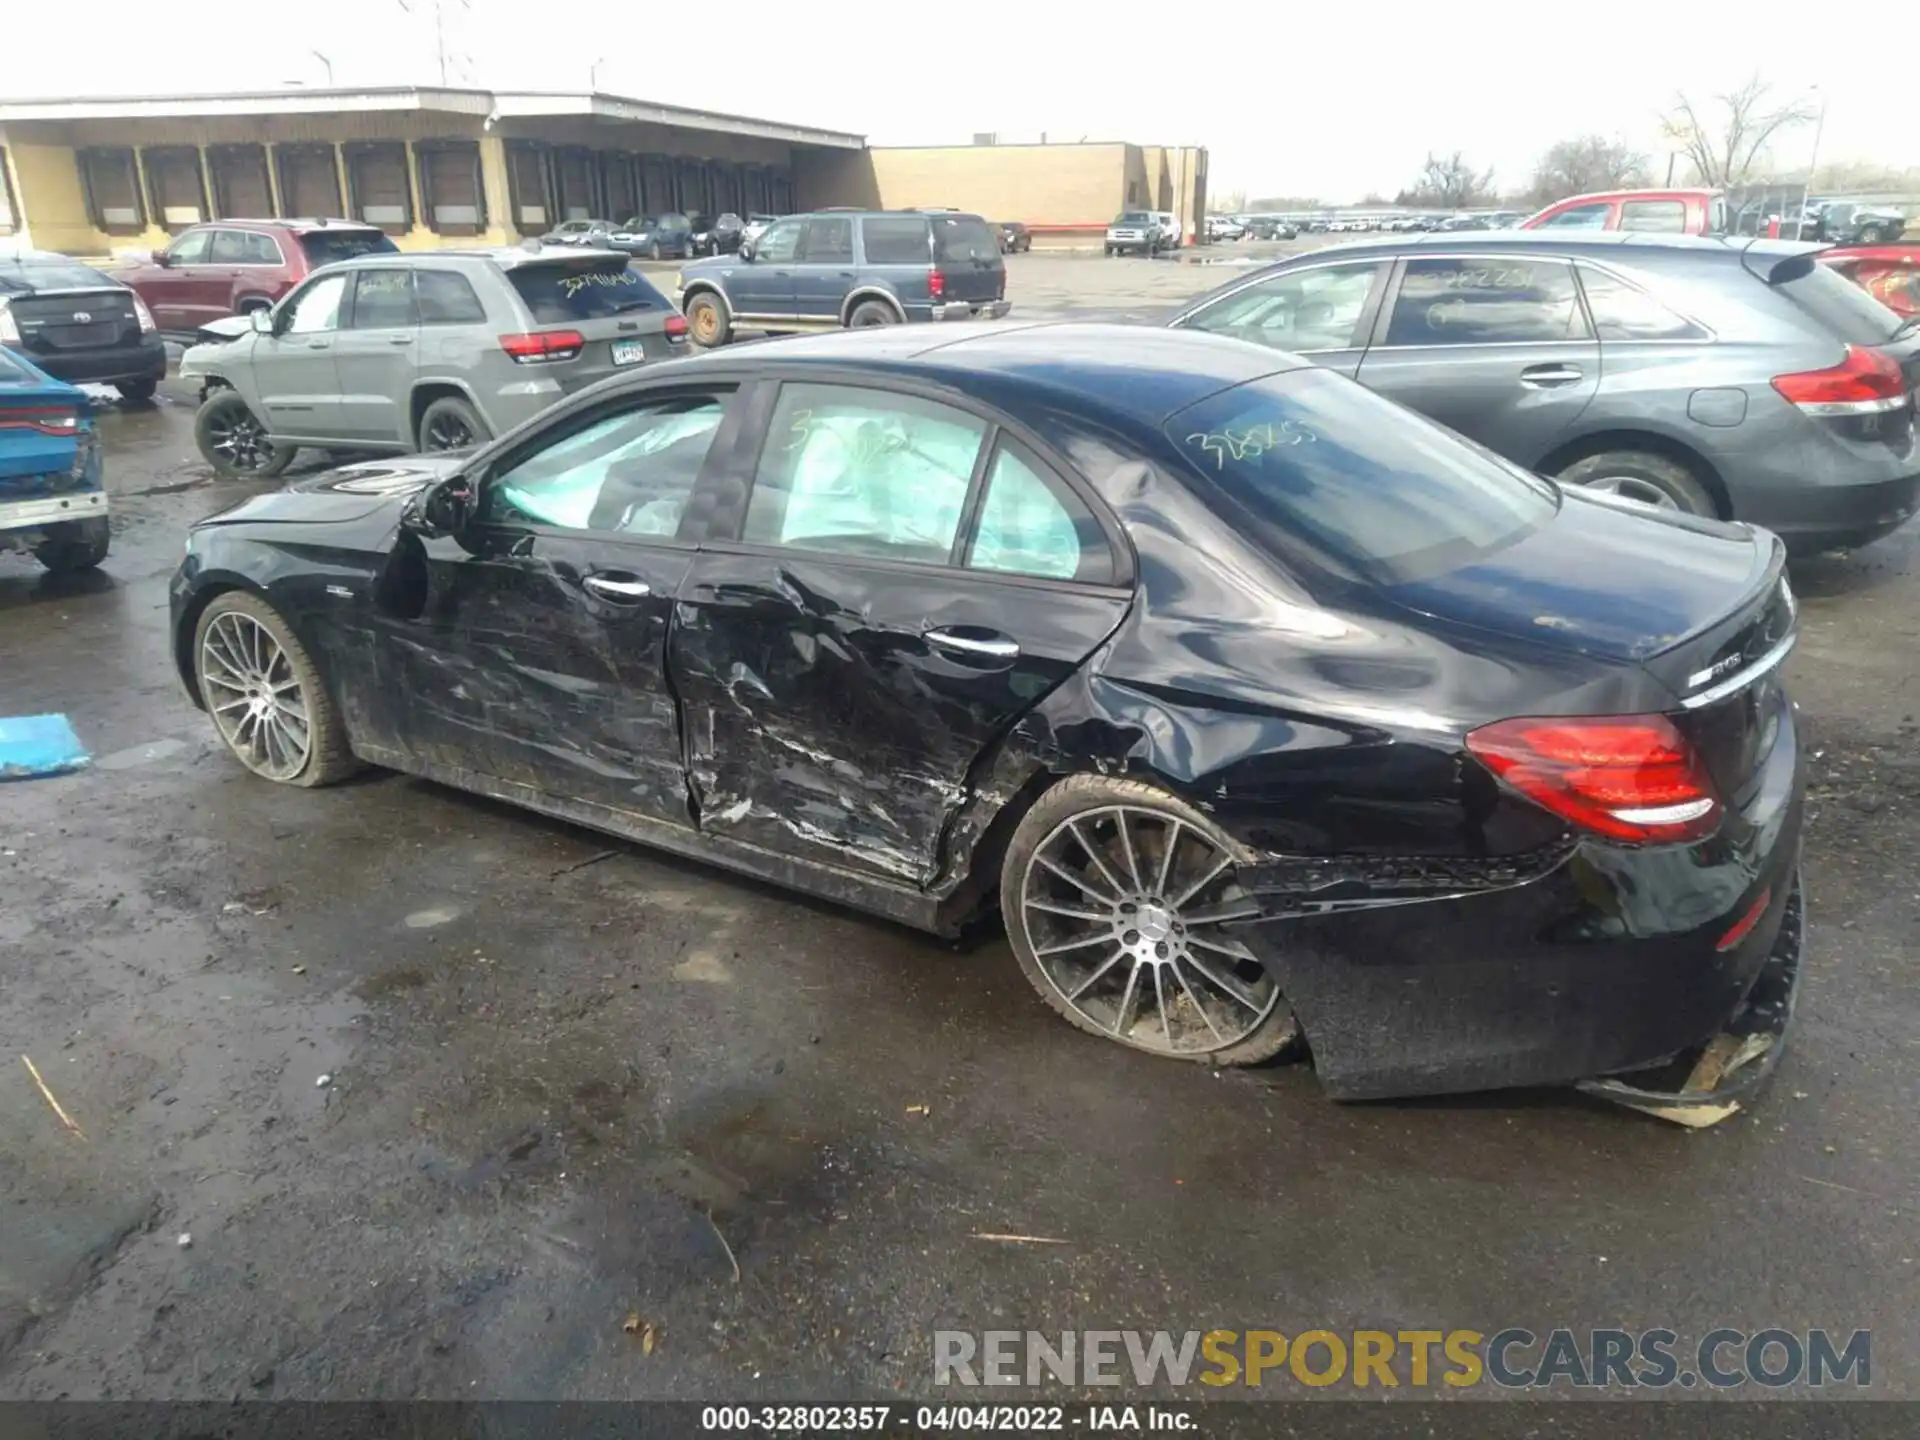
936	283
543	346
676	327
1627	777
1866	382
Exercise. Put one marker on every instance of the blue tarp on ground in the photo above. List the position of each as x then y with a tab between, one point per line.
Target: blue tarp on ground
33	745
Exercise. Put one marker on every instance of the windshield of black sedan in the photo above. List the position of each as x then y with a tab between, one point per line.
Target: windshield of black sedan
1332	466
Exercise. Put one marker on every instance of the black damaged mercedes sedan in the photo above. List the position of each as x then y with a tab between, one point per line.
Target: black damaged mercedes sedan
1268	712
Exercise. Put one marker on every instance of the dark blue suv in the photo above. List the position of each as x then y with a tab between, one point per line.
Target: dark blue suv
849	268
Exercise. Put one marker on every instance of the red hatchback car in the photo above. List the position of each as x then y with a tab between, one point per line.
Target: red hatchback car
1890	273
228	267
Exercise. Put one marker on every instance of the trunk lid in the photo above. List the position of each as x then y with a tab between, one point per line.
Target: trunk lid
56	322
1704	607
42	427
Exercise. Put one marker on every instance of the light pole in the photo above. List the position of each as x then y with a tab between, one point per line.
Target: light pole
593	74
326	62
1813	161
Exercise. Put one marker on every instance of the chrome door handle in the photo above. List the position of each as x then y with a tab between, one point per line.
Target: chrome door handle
319	344
399	339
995	648
1545	376
608	588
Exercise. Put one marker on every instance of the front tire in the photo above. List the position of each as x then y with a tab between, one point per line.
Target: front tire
233	441
707	318
1652	480
74	545
265	695
1114	895
450	423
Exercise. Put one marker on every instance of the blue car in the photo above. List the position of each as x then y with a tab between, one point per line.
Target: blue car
52	499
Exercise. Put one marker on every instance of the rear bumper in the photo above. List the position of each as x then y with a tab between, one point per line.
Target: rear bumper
47	510
1590	961
144	361
970	310
1829	517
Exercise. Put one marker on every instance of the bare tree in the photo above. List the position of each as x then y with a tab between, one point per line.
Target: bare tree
1231	202
1449	182
1725	138
1586	163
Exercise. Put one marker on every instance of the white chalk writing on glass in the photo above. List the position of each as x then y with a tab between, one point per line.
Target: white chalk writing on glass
1252	442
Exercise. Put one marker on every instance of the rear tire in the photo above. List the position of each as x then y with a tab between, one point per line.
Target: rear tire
653	251
708	320
1872	235
137	392
233	441
74	545
1113	893
1649	479
869	313
254	654
450	423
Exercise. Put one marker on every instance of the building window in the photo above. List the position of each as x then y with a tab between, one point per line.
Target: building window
240	188
309	182
377	188
9	221
176	191
573	182
451	190
112	187
527	186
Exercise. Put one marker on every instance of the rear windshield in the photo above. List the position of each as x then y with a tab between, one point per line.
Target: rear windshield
323	247
20	276
963	237
1841	306
583	290
1319	462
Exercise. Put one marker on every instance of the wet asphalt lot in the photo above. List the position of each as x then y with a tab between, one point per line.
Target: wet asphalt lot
560	1076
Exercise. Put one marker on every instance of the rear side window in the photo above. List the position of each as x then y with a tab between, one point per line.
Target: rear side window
1841	307
829	241
445	298
1660	216
323	247
895	240
1626	312
583	290
382	300
1328	465
1485	302
963	237
864	472
1032	524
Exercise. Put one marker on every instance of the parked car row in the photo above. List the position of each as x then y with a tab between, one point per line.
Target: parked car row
667	236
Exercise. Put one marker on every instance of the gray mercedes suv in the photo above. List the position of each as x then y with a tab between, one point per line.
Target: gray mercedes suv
1725	377
437	350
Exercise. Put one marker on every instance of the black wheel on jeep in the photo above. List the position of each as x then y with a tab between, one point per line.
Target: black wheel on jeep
233	441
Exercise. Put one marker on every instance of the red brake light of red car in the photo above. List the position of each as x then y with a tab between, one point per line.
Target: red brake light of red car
676	327
44	419
936	283
1866	382
543	346
1627	777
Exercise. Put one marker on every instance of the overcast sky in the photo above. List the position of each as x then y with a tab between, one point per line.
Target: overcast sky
1331	100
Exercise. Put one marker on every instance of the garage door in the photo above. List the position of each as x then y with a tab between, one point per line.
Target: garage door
309	182
173	185
240	189
113	191
450	187
377	183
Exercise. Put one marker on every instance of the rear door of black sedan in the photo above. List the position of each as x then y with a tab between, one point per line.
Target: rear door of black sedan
889	583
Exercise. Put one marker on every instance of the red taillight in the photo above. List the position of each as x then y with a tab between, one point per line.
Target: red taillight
676	327
1628	777
543	346
1867	382
45	419
1743	927
936	283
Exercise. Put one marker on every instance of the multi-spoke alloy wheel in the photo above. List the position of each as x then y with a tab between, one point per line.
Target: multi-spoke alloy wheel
1123	915
255	698
266	698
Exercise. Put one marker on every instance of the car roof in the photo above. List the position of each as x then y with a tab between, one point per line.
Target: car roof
299	226
1570	242
1642	192
507	257
1130	372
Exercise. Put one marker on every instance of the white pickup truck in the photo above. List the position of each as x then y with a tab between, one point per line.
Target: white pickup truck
1134	232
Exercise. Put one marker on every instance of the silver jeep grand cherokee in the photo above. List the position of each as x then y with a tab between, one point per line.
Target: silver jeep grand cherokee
439	350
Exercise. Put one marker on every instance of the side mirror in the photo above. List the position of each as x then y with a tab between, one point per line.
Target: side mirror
262	322
162	259
442	509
